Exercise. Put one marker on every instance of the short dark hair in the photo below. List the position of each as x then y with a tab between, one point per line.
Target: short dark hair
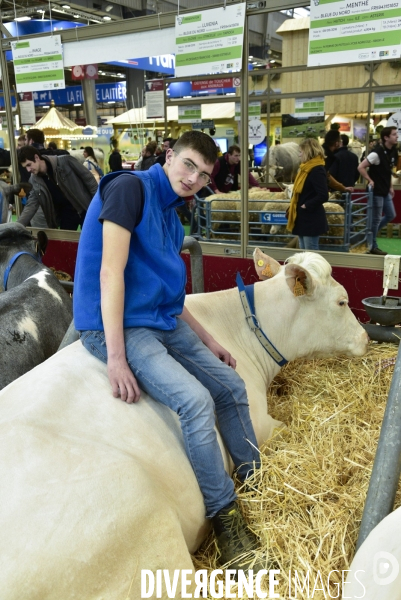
200	142
28	153
332	137
169	139
36	136
344	139
52	145
234	148
386	132
22	138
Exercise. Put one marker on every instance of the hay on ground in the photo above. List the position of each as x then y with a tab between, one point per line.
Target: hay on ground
306	501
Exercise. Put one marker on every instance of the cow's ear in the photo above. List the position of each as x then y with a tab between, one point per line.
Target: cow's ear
299	280
266	267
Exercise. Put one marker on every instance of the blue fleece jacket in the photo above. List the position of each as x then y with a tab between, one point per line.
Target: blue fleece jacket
155	274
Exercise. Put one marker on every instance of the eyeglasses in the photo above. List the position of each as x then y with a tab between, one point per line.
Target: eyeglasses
204	178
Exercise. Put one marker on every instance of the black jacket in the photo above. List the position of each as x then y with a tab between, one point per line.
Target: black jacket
115	161
312	221
345	167
381	174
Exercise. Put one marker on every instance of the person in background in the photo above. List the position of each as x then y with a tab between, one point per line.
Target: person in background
306	215
61	186
148	156
52	146
115	160
344	168
368	150
91	163
21	141
226	170
332	142
167	143
381	161
36	138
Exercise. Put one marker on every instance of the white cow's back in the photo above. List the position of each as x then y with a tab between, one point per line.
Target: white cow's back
80	474
375	572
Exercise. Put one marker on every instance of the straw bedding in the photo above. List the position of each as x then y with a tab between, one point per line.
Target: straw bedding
306	501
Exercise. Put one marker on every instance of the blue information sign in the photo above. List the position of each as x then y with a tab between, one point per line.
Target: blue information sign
273	218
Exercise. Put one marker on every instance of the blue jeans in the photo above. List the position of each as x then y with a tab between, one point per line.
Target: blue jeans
382	205
178	370
309	242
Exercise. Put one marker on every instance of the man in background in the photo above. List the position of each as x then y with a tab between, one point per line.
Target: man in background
167	143
381	162
344	168
226	170
61	186
115	160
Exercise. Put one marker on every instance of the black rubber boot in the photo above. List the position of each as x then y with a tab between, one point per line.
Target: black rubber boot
235	541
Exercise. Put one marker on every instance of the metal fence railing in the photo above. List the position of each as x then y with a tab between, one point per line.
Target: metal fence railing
218	220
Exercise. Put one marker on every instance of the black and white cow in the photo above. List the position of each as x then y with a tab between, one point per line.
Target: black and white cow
35	311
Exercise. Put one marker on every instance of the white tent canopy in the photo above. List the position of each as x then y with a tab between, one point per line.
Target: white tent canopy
136	116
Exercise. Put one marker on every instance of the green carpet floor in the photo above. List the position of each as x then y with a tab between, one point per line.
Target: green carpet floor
389	245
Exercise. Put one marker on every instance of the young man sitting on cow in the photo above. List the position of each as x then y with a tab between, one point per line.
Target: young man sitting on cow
129	290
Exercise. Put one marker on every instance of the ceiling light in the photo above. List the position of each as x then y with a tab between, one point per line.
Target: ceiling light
40	10
251	57
26	18
106	18
272	61
58	10
111	102
76	16
66	6
78	104
108	8
46	106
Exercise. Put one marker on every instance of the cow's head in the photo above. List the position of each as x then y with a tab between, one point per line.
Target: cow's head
313	307
15	238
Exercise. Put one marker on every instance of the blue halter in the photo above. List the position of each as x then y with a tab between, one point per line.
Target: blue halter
11	263
247	296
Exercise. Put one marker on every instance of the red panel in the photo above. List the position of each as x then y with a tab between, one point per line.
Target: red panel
220	273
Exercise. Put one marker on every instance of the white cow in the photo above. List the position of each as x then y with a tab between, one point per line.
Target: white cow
94	490
375	572
284	161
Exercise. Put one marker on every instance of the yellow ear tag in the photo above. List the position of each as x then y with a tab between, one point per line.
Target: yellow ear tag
299	289
260	263
267	272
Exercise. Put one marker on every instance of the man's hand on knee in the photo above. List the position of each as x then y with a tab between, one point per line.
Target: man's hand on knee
123	382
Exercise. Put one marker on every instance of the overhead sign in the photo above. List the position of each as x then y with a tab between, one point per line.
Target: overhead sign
27	108
387	101
206	124
210	84
210	41
190	114
154	99
343	32
309	107
38	64
254	110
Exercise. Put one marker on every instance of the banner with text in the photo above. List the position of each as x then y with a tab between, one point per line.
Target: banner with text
343	32
210	41
190	114
38	64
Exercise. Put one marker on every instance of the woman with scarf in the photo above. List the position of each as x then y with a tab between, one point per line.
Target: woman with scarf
306	214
